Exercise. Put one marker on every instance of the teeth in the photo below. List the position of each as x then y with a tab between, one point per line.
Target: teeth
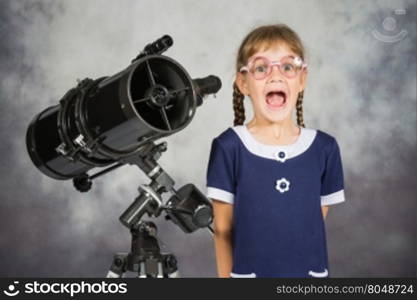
277	92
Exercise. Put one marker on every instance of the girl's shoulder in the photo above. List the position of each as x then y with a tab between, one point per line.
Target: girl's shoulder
325	137
326	141
228	138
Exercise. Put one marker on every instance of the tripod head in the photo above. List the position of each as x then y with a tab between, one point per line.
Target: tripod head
187	207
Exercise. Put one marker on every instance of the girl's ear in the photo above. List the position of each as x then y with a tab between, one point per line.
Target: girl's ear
242	84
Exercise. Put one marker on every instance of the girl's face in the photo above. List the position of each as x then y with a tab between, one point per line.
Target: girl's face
273	97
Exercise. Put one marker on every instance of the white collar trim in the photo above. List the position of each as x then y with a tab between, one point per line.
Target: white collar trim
303	142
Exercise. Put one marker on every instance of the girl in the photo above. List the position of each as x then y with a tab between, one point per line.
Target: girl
271	180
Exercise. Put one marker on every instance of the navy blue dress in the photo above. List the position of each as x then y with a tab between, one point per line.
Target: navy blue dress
277	193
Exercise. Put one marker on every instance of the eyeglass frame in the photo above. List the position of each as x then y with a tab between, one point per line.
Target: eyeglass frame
271	64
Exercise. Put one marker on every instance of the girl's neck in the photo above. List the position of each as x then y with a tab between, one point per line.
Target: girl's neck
274	133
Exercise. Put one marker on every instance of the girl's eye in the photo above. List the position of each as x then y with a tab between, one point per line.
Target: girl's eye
260	69
288	67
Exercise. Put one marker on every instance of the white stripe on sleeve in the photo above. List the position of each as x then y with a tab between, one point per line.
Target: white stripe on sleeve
218	194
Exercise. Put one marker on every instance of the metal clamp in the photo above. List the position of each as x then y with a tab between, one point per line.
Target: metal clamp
79	140
62	149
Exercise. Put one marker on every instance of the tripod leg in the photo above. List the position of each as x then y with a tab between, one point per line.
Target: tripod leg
175	274
142	272
118	267
160	271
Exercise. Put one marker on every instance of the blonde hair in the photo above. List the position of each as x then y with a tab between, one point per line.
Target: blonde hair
260	39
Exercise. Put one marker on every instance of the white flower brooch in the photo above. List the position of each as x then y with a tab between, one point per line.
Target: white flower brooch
282	185
281	155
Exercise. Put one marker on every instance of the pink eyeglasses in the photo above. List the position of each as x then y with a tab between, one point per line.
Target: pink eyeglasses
261	67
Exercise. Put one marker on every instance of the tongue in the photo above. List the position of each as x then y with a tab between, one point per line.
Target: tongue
275	100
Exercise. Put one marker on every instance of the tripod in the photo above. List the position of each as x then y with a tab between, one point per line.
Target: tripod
188	208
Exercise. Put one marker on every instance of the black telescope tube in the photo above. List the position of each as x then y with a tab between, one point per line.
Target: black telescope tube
102	121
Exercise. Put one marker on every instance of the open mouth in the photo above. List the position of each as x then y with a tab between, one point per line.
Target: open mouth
276	99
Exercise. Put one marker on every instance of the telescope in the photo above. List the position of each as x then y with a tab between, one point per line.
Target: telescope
115	120
103	121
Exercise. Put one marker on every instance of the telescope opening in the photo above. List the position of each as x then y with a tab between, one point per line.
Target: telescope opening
159	95
162	94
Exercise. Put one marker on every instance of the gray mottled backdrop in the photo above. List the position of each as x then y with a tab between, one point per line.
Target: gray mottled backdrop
361	89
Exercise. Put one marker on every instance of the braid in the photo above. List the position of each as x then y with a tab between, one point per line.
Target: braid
238	106
299	107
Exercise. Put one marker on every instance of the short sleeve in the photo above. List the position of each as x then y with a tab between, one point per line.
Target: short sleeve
332	184
220	174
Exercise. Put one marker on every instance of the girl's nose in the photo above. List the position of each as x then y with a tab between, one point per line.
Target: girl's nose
276	74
